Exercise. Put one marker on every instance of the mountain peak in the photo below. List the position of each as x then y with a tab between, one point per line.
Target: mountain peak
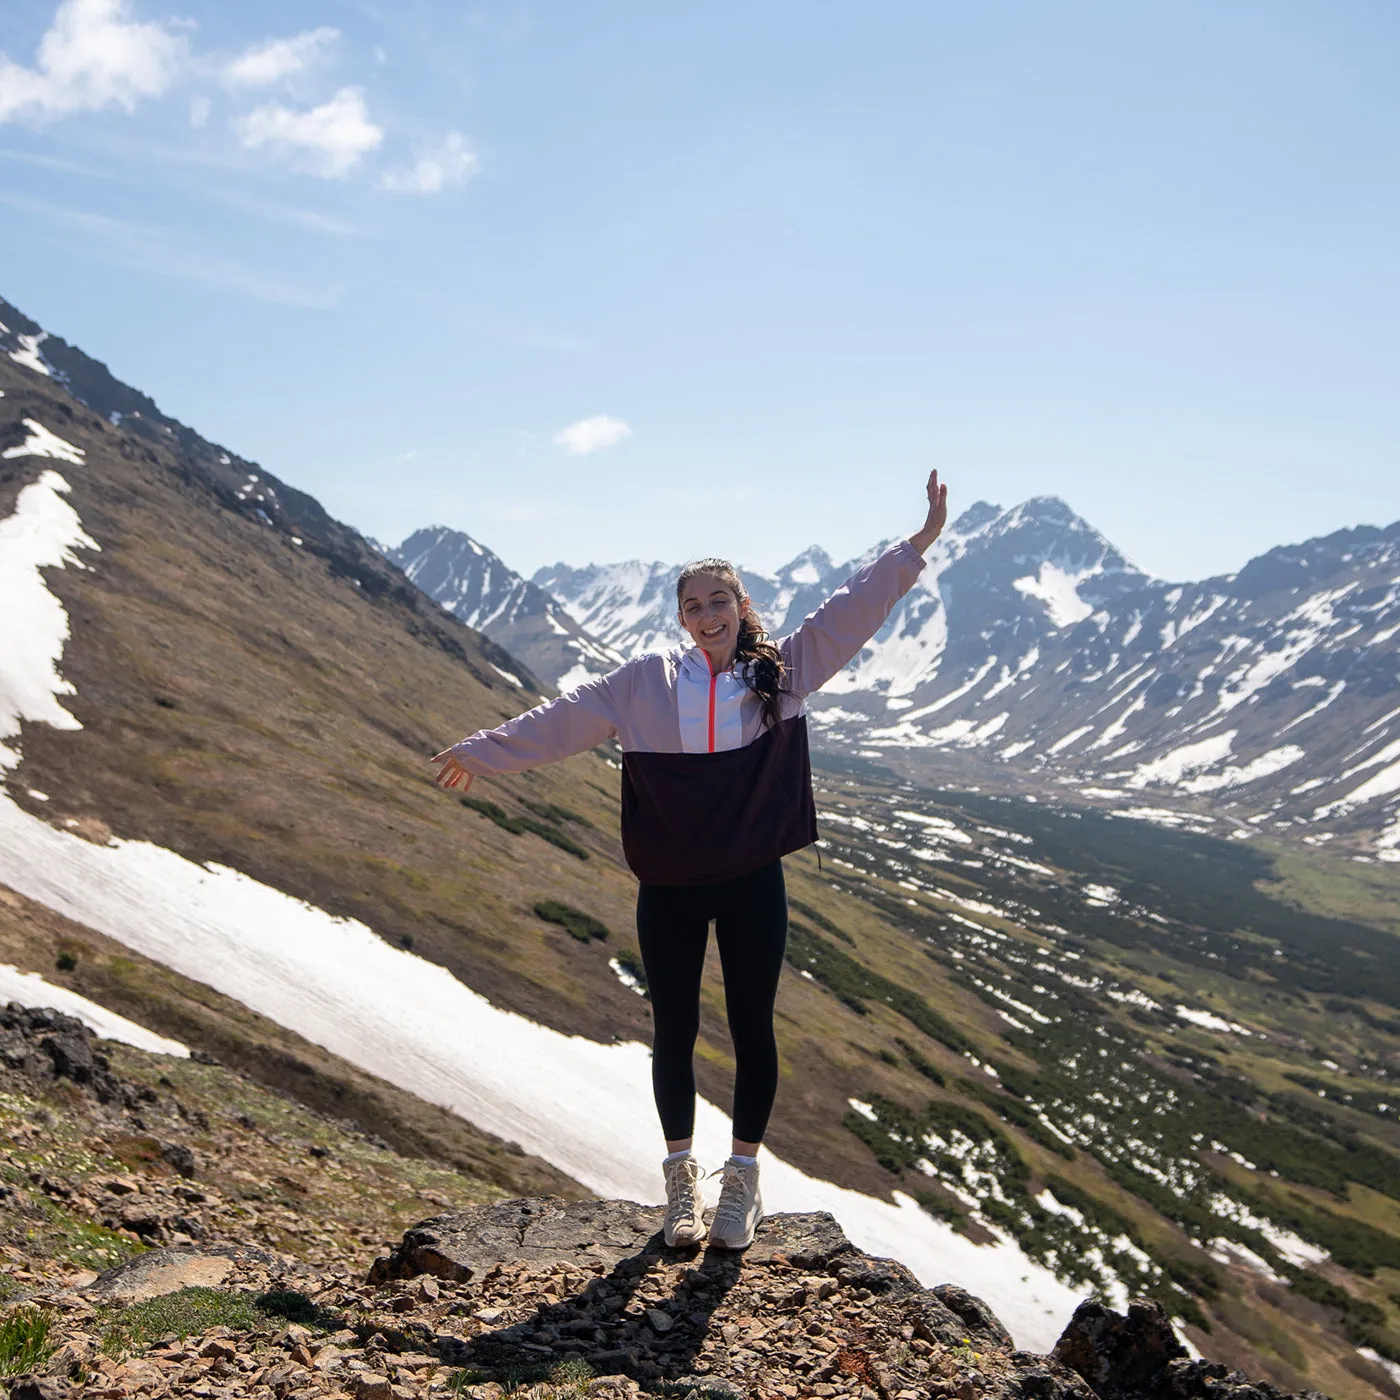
811	566
978	514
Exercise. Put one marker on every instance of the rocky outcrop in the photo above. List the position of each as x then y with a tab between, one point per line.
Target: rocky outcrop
586	1293
44	1044
1138	1357
468	1301
801	1313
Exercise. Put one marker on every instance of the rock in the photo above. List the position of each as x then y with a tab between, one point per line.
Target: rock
934	1322
161	1271
179	1156
662	1322
1210	1380
975	1315
371	1385
1123	1358
32	1387
806	1240
461	1244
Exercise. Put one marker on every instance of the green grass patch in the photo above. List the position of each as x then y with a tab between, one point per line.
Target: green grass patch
551	812
821	921
192	1310
24	1339
91	1246
582	926
933	1075
558	1380
854	984
517	826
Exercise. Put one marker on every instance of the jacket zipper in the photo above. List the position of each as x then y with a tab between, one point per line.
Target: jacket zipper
713	679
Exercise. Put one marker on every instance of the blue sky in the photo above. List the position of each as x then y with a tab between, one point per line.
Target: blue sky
596	281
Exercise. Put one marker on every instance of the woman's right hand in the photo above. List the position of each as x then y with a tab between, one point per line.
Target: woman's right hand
451	774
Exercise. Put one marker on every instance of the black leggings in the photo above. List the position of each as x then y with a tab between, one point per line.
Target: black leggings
673	928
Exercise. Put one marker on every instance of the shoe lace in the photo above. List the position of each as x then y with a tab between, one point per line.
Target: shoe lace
733	1195
680	1189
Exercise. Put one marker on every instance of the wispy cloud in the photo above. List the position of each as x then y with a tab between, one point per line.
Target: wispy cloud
452	162
537	338
591	435
280	59
63	163
147	248
274	211
92	56
328	140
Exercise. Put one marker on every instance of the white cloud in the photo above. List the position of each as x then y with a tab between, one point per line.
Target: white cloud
92	56
265	64
330	138
451	163
591	435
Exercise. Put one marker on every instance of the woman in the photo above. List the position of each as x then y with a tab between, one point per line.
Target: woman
716	789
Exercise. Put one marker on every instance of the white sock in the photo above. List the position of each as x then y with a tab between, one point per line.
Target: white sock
742	1161
676	1156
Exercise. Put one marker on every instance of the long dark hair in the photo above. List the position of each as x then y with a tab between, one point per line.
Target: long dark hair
765	670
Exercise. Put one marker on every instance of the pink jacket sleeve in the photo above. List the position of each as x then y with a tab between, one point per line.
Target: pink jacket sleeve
835	633
557	729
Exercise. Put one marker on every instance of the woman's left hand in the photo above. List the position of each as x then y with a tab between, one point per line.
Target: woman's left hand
937	514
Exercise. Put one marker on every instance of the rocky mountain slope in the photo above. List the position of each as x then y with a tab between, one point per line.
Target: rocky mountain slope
1033	656
171	1229
214	741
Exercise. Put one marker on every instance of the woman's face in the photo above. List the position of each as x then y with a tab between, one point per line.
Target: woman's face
710	613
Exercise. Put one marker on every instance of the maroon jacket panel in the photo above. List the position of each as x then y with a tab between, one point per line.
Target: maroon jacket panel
690	818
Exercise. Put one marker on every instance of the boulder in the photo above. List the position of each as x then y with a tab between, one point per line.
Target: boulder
1123	1358
461	1244
161	1271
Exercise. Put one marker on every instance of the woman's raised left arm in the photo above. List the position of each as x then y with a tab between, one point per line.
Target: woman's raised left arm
829	638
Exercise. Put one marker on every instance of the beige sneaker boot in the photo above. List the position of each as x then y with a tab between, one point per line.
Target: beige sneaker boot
740	1207
685	1215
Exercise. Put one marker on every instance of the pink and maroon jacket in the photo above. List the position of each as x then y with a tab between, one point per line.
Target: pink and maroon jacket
707	791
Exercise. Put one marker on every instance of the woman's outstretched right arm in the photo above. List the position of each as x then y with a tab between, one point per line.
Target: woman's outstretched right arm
574	722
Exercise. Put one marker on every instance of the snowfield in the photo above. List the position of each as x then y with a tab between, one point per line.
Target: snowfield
584	1106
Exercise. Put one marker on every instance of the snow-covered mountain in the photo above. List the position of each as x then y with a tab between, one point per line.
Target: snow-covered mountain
1032	651
476	587
632	606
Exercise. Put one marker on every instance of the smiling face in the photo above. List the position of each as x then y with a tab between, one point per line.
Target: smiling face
709	611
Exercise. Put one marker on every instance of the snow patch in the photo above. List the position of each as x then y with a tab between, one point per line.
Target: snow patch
29	989
28	353
42	533
1264	766
1174	765
1209	1021
42	443
1059	591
